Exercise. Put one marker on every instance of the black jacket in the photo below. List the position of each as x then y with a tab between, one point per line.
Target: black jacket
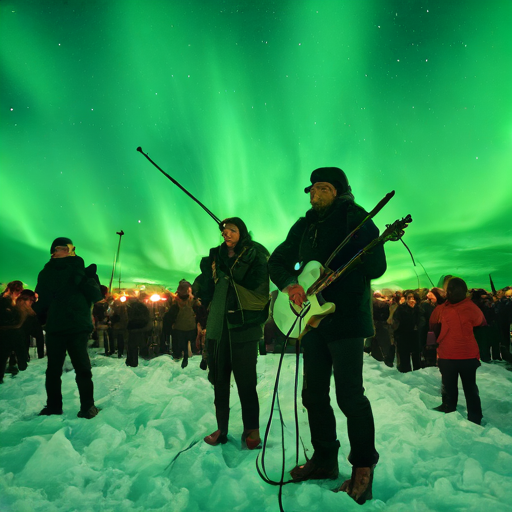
67	291
314	238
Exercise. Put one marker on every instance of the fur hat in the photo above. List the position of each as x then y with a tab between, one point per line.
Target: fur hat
333	175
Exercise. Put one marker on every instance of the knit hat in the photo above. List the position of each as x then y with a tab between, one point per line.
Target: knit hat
60	242
333	175
183	289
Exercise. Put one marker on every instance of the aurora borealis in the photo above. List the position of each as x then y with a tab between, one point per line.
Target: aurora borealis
239	101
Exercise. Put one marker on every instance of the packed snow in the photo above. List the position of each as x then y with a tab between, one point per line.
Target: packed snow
145	449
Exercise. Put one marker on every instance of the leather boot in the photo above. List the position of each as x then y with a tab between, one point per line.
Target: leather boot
359	487
251	438
312	470
216	438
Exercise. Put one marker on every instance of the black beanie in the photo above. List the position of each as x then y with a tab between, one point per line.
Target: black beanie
60	242
333	175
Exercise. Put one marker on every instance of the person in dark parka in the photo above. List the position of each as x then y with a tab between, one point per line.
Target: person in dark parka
31	326
67	290
11	334
337	343
408	321
234	283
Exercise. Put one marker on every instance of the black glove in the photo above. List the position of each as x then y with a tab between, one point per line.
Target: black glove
203	364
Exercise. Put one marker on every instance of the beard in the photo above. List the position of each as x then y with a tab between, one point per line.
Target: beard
321	206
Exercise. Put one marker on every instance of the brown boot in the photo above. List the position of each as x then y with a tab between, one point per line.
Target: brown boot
251	439
312	471
359	487
216	438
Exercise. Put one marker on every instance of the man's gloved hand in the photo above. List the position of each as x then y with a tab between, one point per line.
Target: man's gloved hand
296	294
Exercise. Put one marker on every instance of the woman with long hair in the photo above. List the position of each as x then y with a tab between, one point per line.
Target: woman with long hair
234	282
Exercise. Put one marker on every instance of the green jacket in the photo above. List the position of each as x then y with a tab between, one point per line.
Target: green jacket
67	290
236	290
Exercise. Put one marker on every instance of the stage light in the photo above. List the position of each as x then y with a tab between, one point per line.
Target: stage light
155	297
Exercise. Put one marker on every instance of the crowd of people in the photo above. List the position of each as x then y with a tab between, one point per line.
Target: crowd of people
402	331
224	315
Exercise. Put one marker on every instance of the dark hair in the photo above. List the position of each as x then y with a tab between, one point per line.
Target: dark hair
456	290
27	295
13	286
415	295
397	295
245	237
439	294
104	290
422	292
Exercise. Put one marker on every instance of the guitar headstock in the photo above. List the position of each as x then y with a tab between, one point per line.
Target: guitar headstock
395	231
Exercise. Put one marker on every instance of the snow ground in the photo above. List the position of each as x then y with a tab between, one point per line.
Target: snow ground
144	451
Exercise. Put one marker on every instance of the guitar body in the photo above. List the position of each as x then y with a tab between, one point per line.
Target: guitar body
286	312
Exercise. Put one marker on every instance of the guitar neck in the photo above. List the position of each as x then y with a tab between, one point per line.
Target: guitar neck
393	232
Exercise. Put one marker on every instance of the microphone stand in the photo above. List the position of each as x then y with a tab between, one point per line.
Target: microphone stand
212	215
116	259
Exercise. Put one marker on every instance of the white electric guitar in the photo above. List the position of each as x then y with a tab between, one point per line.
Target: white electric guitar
285	311
314	279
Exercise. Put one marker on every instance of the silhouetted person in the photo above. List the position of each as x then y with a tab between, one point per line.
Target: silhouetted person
67	290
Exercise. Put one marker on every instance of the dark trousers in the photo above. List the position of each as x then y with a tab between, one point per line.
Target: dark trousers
76	346
488	339
408	347
39	345
450	370
381	342
240	359
11	341
136	341
109	342
322	357
118	335
180	341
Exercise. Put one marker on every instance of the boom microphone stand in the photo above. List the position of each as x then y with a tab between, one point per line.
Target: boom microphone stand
212	215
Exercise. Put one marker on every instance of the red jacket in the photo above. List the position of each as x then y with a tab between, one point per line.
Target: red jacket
456	340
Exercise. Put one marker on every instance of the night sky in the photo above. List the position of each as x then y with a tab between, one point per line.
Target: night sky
240	101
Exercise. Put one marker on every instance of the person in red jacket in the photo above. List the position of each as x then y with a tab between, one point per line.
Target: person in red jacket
453	322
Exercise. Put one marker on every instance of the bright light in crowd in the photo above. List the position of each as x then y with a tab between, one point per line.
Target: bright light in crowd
122	298
155	297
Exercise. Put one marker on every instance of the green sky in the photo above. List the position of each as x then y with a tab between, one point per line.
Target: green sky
239	102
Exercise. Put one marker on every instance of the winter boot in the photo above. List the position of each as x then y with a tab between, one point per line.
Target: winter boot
216	438
251	439
323	464
49	411
89	413
359	487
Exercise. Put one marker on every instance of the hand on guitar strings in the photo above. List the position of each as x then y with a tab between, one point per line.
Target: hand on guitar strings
296	294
